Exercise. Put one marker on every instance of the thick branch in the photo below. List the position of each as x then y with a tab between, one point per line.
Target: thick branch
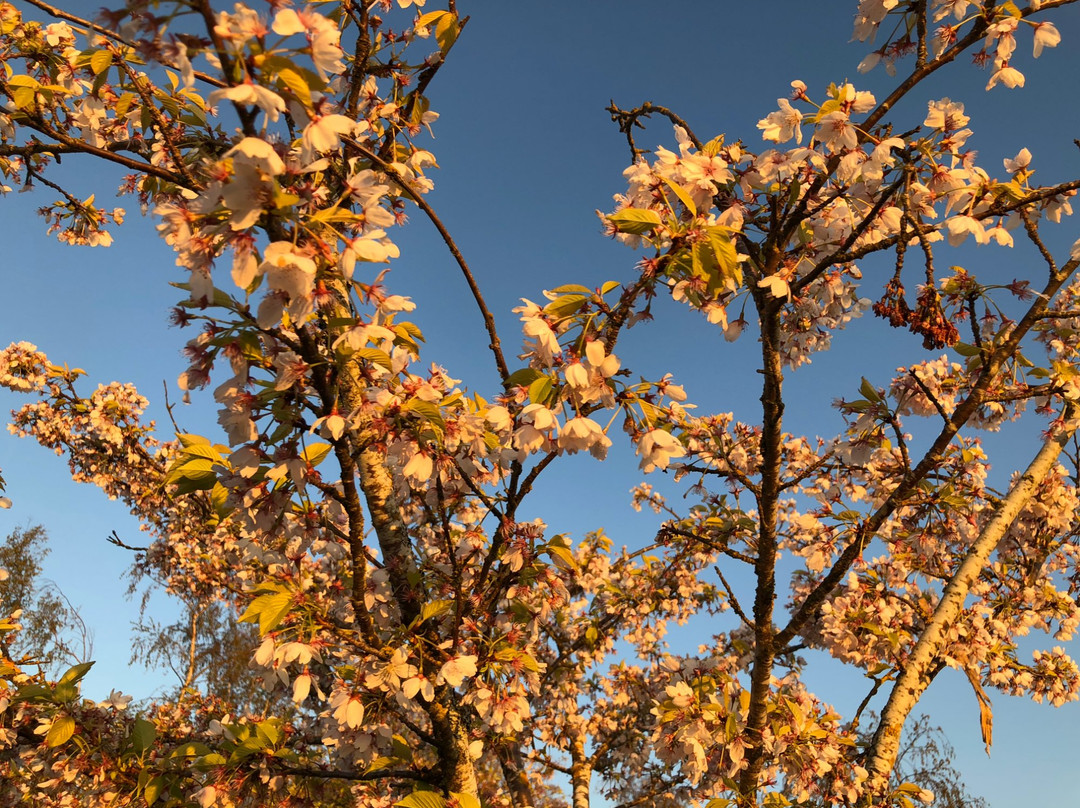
913	681
765	642
971	403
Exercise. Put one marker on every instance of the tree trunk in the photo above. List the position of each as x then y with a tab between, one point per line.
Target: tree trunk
515	776
580	772
452	742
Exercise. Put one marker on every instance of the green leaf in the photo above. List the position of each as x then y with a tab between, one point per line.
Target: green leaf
201	481
270	730
205	451
61	730
566	305
422	799
684	197
333	216
64	693
219	498
191	749
211	761
33	693
523	377
405	336
562	555
869	391
635	221
375	357
608	286
572	289
23	97
285	200
1011	9
248	747
196	474
425	410
143	735
75	673
540	390
724	250
381	763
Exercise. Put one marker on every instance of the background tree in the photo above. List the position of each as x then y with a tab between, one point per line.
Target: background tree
53	633
926	759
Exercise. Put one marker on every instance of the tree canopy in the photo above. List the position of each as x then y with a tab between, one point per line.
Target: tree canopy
362	524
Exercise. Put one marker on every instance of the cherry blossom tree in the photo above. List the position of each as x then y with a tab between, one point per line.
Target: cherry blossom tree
421	642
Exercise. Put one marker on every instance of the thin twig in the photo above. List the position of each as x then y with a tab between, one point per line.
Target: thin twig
60	14
734	601
489	320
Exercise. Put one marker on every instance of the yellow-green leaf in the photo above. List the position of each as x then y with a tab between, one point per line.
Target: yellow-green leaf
446	32
635	221
191	749
724	250
565	305
297	85
204	450
100	61
540	390
75	673
563	556
426	410
684	197
315	453
422	799
153	790
269	610
23	81
61	730
424	20
523	377
434	608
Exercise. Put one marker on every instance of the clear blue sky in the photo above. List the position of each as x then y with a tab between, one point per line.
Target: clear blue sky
527	153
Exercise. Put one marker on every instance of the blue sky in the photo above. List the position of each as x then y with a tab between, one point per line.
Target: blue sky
527	153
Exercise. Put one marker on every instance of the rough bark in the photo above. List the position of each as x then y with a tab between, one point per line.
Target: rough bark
515	776
452	742
772	405
580	772
377	484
